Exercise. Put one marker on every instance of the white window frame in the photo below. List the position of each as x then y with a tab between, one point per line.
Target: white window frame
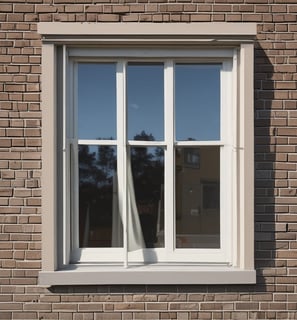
230	44
168	253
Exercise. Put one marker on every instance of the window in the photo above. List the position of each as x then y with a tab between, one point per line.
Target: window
146	152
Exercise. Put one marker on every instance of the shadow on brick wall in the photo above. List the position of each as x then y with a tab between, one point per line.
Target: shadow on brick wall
266	175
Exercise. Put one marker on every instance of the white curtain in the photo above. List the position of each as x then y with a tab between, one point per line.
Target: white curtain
87	227
135	236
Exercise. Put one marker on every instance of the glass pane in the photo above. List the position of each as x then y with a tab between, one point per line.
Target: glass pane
148	184
99	220
96	100
198	197
145	101
197	101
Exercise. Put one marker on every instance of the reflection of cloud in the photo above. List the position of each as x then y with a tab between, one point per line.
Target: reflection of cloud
134	106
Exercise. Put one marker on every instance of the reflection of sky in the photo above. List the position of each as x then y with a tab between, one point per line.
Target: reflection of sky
96	100
197	100
145	96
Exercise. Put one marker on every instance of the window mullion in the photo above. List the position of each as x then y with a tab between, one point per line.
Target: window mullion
122	152
169	194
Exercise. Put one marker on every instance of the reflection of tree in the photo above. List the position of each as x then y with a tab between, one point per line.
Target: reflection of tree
148	178
96	167
140	158
106	160
87	168
147	167
96	170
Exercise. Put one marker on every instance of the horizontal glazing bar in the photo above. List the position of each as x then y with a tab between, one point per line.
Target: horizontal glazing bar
98	142
146	143
199	143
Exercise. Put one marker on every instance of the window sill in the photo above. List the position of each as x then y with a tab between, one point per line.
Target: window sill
109	275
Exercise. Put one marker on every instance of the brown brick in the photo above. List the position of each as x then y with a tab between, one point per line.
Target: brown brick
90	307
5	143
129	306
10	306
13	132
74	8
15	87
109	316
25	316
200	17
224	8
5	192
108	17
64	307
6	7
154	306
184	306
120	8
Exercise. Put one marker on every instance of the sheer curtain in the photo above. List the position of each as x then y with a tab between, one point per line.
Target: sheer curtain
135	236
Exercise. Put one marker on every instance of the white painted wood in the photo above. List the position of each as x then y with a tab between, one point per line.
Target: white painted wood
198	143
97	142
246	158
169	190
155	30
234	247
150	274
49	161
146	143
169	253
226	158
197	55
67	229
122	152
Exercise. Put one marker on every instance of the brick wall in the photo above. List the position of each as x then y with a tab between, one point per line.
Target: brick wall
275	295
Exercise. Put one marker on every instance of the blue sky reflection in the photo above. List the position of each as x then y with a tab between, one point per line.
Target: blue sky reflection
197	100
145	99
96	100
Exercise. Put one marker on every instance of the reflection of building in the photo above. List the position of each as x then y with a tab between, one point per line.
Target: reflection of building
197	197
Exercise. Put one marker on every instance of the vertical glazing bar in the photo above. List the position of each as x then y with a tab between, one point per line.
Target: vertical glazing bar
169	194
122	153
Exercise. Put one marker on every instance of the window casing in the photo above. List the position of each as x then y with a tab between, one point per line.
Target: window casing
228	254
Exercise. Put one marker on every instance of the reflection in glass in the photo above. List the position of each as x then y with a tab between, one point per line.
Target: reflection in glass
99	221
198	197
145	100
148	179
96	100
197	101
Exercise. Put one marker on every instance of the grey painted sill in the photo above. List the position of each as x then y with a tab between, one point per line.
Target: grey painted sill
109	275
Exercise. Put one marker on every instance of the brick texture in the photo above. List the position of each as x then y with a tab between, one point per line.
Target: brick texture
275	294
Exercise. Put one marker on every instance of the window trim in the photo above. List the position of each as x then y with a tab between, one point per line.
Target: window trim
210	35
